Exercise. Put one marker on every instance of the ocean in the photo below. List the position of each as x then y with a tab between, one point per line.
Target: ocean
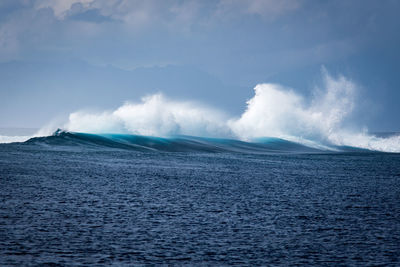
121	200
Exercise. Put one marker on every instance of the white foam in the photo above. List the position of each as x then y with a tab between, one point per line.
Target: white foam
154	116
367	141
280	112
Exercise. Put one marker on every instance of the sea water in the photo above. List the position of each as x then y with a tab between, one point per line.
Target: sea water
74	202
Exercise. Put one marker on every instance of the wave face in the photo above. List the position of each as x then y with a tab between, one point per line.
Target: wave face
320	122
72	140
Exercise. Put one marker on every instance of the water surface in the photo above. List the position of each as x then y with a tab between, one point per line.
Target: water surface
106	206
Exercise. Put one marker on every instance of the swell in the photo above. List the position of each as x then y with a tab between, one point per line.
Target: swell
75	140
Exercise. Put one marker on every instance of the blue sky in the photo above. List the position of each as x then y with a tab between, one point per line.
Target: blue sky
60	56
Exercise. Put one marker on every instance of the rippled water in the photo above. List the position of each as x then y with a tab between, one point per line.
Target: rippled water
115	207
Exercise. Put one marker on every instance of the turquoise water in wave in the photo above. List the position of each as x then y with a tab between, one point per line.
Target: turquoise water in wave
80	199
66	140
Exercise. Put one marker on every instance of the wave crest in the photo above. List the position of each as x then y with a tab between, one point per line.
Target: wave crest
280	112
154	116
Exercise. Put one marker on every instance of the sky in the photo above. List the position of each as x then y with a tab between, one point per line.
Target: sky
60	56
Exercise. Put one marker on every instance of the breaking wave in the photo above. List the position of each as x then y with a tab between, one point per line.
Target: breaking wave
321	122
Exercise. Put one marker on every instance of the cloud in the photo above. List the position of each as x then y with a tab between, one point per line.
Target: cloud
208	33
37	18
80	13
141	13
9	44
270	9
60	7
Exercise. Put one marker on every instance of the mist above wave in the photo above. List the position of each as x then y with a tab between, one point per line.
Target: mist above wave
273	111
154	116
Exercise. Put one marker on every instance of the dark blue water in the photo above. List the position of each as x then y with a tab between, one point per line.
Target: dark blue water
75	203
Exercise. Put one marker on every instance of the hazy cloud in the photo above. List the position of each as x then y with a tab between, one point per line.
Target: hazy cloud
266	8
59	7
